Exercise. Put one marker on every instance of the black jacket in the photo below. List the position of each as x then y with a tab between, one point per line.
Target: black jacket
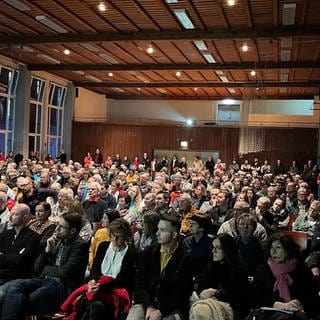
303	288
17	254
232	285
72	266
125	278
168	292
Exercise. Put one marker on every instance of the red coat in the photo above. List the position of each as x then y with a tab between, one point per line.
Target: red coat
117	299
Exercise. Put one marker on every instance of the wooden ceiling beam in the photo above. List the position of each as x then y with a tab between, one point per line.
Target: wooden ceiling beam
172	35
192	84
193	66
207	97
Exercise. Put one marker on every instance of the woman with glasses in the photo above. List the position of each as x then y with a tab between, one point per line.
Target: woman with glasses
250	248
224	279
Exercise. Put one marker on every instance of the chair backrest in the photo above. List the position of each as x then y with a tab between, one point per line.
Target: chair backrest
292	219
300	238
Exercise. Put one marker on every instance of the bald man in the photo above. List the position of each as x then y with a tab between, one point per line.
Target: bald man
18	246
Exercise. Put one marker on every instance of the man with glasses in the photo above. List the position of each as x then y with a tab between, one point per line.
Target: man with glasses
94	206
60	269
32	196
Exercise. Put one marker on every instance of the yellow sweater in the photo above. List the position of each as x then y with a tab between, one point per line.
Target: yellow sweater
100	236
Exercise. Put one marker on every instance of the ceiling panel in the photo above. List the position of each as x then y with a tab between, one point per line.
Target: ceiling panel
209	54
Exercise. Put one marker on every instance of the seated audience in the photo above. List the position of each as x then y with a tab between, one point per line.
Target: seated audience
250	248
60	269
164	277
113	268
41	224
230	226
198	243
306	222
284	282
147	235
224	278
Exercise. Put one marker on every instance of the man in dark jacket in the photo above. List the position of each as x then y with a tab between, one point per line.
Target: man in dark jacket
61	267
18	246
164	277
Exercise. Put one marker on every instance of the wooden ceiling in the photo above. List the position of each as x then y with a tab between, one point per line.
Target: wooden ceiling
109	49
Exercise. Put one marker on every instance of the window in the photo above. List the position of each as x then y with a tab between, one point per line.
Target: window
37	90
8	84
57	95
228	114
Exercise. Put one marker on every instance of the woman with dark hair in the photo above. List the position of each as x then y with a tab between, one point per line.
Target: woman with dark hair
284	282
112	277
41	224
250	197
225	277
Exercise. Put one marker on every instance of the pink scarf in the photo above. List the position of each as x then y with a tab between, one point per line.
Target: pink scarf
283	279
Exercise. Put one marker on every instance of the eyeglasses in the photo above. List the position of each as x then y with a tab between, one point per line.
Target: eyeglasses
246	225
117	236
216	248
61	226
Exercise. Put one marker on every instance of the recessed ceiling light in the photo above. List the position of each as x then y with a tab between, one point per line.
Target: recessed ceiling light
102	7
51	24
66	51
200	44
79	72
195	89
110	74
47	58
18	5
231	2
89	47
209	57
184	18
108	58
139	89
178	73
252	73
92	78
150	50
244	47
224	79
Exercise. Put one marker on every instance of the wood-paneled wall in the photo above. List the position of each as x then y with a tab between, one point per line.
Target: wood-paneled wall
131	140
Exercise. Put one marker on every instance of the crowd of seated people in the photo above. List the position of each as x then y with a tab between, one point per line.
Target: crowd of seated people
156	239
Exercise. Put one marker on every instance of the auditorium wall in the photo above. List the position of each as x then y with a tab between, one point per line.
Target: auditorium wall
131	140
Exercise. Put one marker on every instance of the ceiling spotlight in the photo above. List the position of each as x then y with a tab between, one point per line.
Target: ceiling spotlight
102	7
253	73
110	74
150	50
139	89
245	47
195	89
231	2
178	73
66	51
